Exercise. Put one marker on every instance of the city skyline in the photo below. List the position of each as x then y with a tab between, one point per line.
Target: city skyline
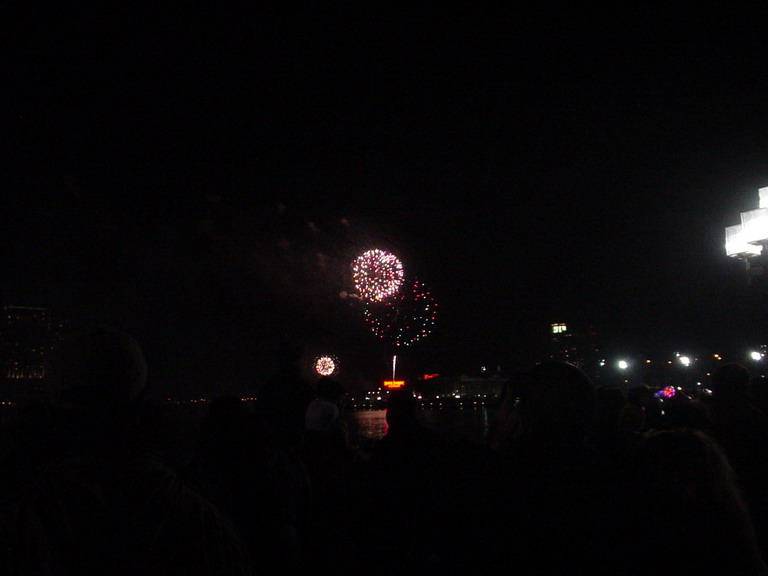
29	335
203	180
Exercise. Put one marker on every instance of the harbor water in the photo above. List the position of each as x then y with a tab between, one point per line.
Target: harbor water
460	423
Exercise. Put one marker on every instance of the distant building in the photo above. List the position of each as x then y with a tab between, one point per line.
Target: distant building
28	337
480	386
488	386
576	346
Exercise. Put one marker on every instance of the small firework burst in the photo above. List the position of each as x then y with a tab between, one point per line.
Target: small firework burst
326	365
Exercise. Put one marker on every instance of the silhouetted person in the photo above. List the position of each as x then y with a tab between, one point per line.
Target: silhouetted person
615	444
406	482
27	451
333	467
507	425
106	502
609	401
741	429
324	410
261	487
544	506
681	411
326	447
758	389
641	413
283	398
689	515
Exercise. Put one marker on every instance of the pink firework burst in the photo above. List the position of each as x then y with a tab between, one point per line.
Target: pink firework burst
377	275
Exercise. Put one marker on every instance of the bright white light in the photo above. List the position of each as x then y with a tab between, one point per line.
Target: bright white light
746	239
754	225
755	355
622	364
736	243
685	361
763	193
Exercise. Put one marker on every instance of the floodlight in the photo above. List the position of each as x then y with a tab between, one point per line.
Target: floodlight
755	225
763	192
746	239
736	243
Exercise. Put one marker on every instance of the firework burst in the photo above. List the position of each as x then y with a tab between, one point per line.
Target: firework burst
377	275
404	319
326	365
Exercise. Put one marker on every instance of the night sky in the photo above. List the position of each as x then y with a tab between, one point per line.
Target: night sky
203	177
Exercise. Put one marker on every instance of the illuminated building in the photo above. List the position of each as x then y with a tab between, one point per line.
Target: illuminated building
479	387
28	337
577	347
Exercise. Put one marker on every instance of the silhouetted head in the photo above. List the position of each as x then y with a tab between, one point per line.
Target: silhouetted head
681	411
402	408
640	395
329	388
730	382
687	486
686	461
558	402
101	366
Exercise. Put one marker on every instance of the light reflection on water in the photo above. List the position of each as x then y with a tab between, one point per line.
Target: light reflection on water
370	424
464	424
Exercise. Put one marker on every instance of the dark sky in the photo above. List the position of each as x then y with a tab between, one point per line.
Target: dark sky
204	176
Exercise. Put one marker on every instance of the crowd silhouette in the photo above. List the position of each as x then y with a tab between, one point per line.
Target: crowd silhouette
573	477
